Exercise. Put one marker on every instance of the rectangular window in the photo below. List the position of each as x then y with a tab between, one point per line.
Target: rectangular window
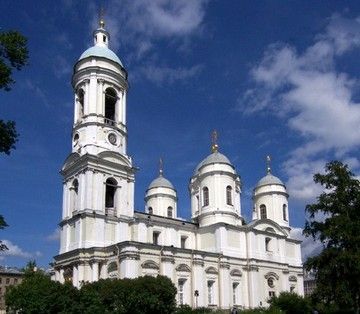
15	280
156	237
235	289
271	294
210	292
183	242
181	291
7	281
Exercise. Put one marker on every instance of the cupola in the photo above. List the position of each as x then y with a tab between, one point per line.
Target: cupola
215	189
161	196
271	198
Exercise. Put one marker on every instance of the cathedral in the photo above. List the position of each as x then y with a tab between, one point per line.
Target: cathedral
215	260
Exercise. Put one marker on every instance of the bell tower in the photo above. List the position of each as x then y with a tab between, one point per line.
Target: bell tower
98	176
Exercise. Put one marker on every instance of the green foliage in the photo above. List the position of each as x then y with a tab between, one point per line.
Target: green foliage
3	224
186	309
290	303
13	55
38	294
8	136
337	267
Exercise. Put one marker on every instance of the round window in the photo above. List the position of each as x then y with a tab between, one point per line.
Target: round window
270	282
112	138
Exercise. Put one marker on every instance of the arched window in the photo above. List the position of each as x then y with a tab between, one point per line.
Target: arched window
205	196
284	213
170	212
110	102
263	212
80	100
228	195
150	210
110	192
74	195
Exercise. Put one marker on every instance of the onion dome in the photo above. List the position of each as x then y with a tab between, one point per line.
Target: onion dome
101	46
269	179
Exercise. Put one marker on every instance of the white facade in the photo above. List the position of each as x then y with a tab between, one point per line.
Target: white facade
215	260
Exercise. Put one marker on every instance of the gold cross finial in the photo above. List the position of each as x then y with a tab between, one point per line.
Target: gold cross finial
161	166
268	164
214	140
101	18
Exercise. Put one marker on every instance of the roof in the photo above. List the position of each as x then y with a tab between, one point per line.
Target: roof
161	182
269	179
101	51
213	158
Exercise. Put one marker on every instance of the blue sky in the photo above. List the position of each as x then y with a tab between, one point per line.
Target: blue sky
273	77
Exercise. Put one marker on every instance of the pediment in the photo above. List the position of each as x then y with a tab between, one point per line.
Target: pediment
268	226
183	267
211	270
236	273
150	265
71	159
115	158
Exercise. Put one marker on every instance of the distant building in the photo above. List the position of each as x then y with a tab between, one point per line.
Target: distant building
214	260
8	277
309	283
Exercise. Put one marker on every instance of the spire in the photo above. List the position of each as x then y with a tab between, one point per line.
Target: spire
101	18
268	164
214	140
161	167
101	36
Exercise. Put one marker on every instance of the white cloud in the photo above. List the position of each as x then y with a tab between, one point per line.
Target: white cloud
309	247
314	99
54	236
140	24
14	250
169	75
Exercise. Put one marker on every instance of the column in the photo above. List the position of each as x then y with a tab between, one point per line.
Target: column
80	269
167	264
103	270
199	282
95	271
224	280
129	262
61	275
75	276
124	108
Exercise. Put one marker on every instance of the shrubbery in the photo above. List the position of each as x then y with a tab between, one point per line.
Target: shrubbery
37	294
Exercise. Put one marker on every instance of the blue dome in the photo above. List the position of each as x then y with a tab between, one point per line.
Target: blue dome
213	158
269	179
103	52
161	182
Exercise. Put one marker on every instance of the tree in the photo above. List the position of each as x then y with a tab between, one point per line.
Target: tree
290	303
38	294
337	267
13	55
